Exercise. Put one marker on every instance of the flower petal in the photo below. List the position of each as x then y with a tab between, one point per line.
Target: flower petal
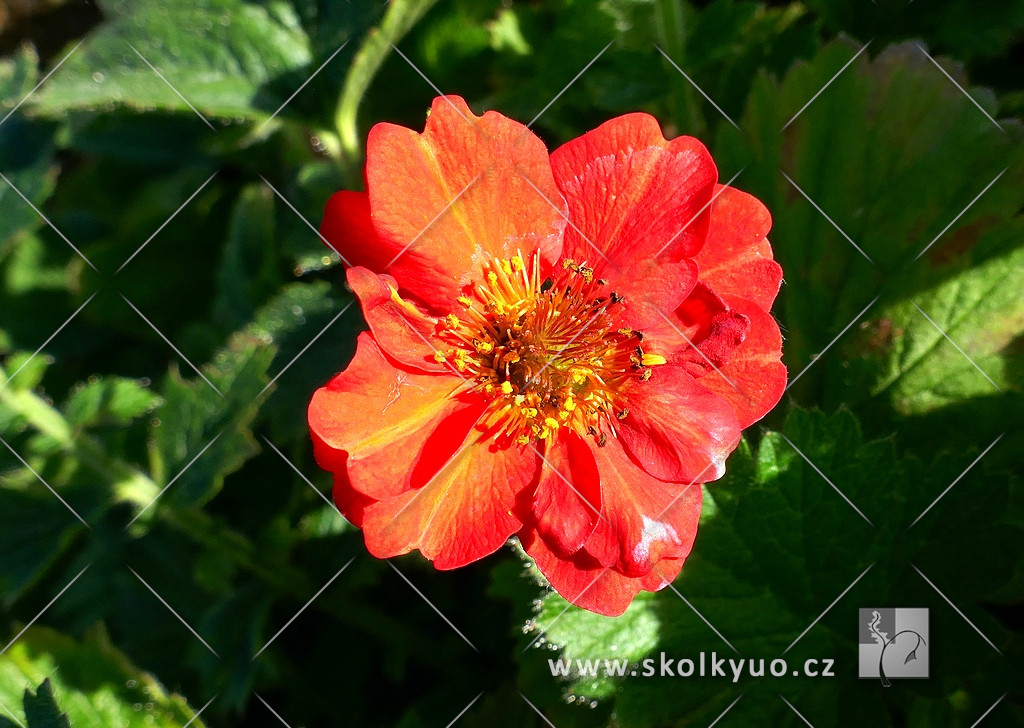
567	504
737	259
463	513
631	193
643	519
584	581
580	579
465	189
349	501
707	332
348	229
676	429
398	326
653	290
389	429
754	367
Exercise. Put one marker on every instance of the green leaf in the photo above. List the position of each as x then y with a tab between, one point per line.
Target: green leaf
776	546
18	75
966	29
312	186
300	312
41	710
247	269
194	416
94	683
204	427
630	636
892	152
26	151
37	529
980	310
111	401
224	57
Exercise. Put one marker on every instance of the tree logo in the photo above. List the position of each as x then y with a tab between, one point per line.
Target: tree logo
893	644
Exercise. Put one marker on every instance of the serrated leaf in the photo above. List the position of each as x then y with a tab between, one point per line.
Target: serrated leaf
91	680
24	370
293	318
110	401
222	56
975	373
41	710
37	528
203	434
194	416
892	152
630	636
777	545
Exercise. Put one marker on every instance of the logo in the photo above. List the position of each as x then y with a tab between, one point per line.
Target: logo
893	644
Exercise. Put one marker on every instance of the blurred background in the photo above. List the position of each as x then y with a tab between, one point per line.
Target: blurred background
168	554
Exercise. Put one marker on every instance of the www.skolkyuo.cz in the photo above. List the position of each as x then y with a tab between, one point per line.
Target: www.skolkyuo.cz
703	665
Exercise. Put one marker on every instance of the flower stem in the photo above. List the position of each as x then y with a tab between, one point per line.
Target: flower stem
400	18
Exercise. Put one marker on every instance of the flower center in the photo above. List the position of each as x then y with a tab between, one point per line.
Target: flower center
551	354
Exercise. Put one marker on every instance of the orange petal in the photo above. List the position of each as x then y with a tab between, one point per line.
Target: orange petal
348	229
400	329
632	194
737	259
584	581
465	189
707	332
654	289
676	429
643	520
754	367
387	428
350	502
463	513
567	503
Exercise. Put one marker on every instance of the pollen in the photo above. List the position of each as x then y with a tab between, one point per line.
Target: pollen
547	348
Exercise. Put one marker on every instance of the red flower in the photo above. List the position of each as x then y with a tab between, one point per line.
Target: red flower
560	347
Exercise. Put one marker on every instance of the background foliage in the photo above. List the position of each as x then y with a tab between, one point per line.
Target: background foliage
219	170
